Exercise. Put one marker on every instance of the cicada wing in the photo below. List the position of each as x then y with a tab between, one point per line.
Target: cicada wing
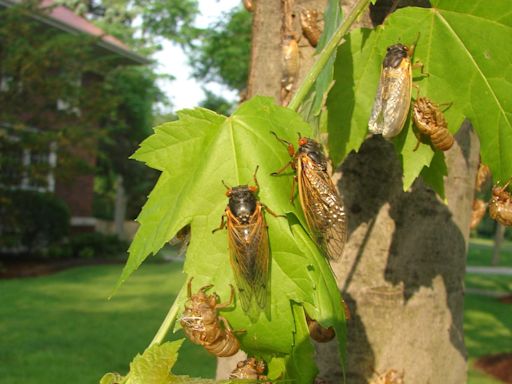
249	256
323	208
376	122
396	98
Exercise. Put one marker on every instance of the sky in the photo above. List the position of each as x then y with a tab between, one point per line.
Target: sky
183	91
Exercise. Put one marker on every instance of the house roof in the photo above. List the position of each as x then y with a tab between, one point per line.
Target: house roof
63	18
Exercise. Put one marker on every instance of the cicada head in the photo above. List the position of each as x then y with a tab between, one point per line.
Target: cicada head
313	150
395	54
243	202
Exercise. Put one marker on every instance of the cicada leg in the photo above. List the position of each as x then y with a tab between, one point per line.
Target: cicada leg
222	224
189	287
291	149
231	298
271	211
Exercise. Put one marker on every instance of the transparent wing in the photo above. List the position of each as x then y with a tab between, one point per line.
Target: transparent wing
249	256
322	207
376	122
396	98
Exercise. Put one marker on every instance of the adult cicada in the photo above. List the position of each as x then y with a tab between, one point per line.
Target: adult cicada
430	121
248	243
250	368
500	206
203	325
393	99
320	201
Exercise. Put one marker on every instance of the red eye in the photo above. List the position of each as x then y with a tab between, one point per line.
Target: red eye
303	141
253	189
228	193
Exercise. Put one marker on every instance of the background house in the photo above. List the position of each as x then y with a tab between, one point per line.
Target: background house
50	122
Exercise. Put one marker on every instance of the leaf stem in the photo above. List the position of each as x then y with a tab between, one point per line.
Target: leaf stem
326	53
166	324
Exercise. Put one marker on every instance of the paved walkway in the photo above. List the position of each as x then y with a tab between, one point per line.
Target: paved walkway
504	271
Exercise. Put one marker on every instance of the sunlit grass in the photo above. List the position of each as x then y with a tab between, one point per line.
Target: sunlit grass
62	329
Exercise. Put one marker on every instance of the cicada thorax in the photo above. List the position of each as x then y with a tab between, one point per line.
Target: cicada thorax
248	246
393	98
500	206
250	368
320	201
203	325
430	121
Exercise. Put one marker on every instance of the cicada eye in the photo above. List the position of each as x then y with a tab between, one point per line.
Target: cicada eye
303	141
228	193
253	188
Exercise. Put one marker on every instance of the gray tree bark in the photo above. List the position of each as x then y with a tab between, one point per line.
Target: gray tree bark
403	269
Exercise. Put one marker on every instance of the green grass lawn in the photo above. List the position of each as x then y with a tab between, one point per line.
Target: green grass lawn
61	329
480	252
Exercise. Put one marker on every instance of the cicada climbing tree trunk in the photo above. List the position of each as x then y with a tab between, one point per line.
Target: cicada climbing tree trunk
403	267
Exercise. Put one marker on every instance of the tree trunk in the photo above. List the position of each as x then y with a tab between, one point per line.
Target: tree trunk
403	268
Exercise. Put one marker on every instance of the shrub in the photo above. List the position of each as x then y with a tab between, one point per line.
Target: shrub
96	245
32	220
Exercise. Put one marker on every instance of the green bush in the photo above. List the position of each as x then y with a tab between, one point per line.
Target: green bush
97	245
32	220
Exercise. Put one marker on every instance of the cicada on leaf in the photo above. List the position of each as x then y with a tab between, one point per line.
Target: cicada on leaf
203	325
320	201
248	243
430	121
393	99
500	206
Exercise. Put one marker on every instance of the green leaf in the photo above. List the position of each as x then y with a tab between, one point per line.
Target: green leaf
111	378
195	154
313	106
154	365
465	50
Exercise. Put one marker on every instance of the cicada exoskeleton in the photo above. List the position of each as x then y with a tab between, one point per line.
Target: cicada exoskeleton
320	201
430	121
477	213
310	27
248	243
500	206
203	325
391	376
393	99
250	368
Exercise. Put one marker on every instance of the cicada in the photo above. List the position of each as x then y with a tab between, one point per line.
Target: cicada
248	5
290	66
319	333
482	176
202	323
391	376
500	206
248	243
430	121
320	201
309	24
393	99
250	368
477	212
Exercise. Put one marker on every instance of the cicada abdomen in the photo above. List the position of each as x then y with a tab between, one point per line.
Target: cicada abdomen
202	323
320	201
500	206
430	121
393	99
310	27
248	244
250	368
